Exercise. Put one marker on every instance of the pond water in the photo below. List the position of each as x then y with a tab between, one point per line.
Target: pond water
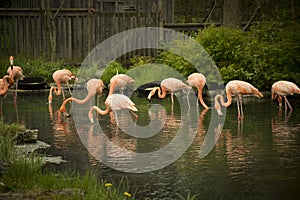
256	158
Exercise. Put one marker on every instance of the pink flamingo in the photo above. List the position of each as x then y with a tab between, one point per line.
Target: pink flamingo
170	85
113	102
16	73
60	76
282	89
198	80
238	89
93	86
119	81
4	83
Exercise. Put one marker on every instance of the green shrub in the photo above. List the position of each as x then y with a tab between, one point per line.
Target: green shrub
111	70
37	67
261	56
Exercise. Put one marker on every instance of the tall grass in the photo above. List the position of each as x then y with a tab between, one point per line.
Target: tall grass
25	175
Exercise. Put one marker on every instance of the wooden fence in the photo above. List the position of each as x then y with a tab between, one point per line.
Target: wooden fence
24	31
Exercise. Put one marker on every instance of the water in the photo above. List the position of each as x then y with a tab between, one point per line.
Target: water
254	158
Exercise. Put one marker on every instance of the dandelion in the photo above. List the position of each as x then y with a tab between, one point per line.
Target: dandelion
127	194
108	185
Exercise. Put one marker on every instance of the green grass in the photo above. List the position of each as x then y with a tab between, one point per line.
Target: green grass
24	175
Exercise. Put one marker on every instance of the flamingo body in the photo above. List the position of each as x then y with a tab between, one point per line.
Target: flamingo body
120	81
198	80
113	102
282	89
236	88
93	86
4	83
60	76
16	73
170	85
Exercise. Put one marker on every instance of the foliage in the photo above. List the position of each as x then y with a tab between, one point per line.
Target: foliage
111	70
141	60
37	67
267	53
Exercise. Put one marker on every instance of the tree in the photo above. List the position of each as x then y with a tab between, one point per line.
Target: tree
232	13
50	26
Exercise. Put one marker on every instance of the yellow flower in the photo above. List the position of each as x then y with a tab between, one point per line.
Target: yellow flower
108	185
127	194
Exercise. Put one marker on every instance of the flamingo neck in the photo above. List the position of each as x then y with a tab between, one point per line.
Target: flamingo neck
112	88
98	110
201	99
57	90
229	99
11	64
221	98
162	92
5	87
78	101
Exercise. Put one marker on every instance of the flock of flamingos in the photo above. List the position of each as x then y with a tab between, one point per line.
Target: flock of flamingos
114	102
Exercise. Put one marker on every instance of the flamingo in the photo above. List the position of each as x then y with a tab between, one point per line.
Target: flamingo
198	80
113	102
119	81
170	85
282	89
16	73
60	76
238	89
4	83
94	86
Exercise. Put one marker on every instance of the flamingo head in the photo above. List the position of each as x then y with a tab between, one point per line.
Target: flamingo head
217	105
152	92
11	58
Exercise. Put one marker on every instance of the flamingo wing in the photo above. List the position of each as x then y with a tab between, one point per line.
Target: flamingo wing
120	102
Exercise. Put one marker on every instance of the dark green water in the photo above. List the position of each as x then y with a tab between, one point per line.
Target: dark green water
256	158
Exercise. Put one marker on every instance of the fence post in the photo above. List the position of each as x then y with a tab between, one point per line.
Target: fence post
90	26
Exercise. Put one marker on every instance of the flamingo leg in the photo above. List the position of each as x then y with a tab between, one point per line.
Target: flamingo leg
135	115
1	108
287	102
62	91
241	105
69	88
16	91
188	100
116	118
238	106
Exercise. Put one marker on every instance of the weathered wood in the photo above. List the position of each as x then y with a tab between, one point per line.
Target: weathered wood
76	32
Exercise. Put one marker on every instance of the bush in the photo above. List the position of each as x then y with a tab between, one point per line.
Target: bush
111	70
37	67
267	53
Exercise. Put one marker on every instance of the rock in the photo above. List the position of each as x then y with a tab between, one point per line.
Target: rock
31	147
28	136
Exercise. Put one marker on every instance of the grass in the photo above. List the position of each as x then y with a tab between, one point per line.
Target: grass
23	176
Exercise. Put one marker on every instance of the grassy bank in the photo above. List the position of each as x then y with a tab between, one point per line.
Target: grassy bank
22	176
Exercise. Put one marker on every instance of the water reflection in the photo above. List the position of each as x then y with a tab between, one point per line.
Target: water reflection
285	135
259	157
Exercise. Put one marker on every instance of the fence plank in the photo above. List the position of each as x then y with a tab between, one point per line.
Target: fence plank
24	31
